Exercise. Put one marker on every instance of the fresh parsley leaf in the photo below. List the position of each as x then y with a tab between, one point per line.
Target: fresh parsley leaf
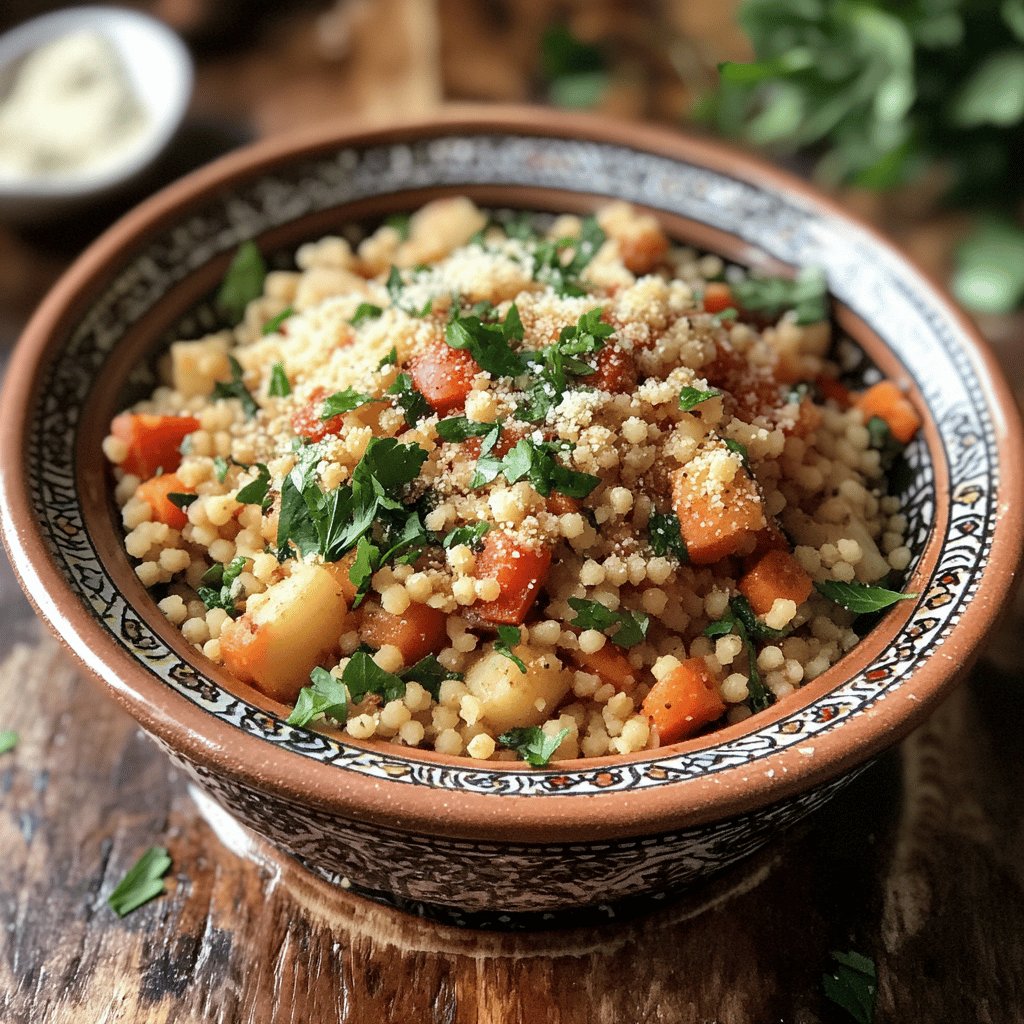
509	637
8	740
182	500
410	400
891	452
360	573
273	325
279	386
666	537
550	266
301	502
400	222
735	620
489	343
327	697
222	589
861	598
806	295
235	388
142	883
852	985
391	359
257	492
532	744
365	311
534	461
430	674
739	449
345	401
690	398
242	283
471	536
729	313
753	625
459	428
362	675
390	464
488	466
220	468
594	615
395	289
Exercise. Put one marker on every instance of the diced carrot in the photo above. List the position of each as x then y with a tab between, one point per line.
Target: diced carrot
616	371
443	375
153	441
642	250
684	701
717	297
520	572
715	523
776	574
885	400
560	504
609	663
155	491
833	389
771	538
306	421
417	632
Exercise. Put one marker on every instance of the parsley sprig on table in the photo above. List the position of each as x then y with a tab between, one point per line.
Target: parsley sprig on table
851	983
143	882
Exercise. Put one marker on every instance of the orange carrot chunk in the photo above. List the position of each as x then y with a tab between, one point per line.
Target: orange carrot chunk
153	441
717	296
684	701
417	632
155	493
833	389
776	574
520	572
306	421
444	376
615	373
886	401
609	663
716	521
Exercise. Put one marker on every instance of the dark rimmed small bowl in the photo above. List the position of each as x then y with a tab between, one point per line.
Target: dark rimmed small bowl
489	843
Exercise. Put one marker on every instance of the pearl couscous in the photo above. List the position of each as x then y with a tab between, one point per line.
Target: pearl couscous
506	491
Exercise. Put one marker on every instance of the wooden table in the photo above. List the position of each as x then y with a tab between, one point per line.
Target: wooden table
919	864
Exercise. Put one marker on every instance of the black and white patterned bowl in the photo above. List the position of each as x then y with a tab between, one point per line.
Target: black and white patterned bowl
477	842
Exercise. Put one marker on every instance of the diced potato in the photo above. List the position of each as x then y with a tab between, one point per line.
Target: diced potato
438	228
276	646
197	365
320	283
512	698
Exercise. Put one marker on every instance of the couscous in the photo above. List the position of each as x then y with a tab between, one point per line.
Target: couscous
515	488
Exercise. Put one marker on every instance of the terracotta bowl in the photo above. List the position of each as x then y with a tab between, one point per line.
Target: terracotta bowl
487	843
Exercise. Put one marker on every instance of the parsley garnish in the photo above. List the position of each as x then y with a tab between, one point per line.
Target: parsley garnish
327	697
395	288
256	492
533	461
471	536
729	313
807	295
391	359
220	467
860	597
509	637
690	398
430	674
142	883
489	343
235	388
362	675
532	744
409	400
550	266
365	311
739	449
242	283
360	573
8	740
400	222
852	985
222	586
181	499
459	428
274	323
279	386
740	619
594	615
665	536
345	401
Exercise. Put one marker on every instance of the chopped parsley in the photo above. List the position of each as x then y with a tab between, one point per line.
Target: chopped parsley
430	674
534	461
391	359
666	537
220	468
414	407
362	675
739	449
400	222
235	388
471	536
690	398
632	626
279	385
396	288
563	275
325	698
852	984
222	587
861	598
806	295
729	313
459	428
554	365
181	499
345	401
242	283
256	492
8	740
489	343
740	619
142	883
365	311
274	323
509	637
532	744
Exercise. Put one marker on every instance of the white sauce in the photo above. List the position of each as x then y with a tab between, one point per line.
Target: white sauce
71	108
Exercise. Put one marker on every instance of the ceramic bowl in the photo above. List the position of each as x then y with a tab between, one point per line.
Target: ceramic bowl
478	842
160	71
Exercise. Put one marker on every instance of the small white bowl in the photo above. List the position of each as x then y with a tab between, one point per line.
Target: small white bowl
159	68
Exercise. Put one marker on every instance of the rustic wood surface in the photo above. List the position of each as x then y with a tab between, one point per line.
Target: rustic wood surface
919	864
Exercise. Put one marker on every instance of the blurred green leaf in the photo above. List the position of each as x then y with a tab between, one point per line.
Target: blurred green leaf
578	91
989	272
576	72
1013	15
994	94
